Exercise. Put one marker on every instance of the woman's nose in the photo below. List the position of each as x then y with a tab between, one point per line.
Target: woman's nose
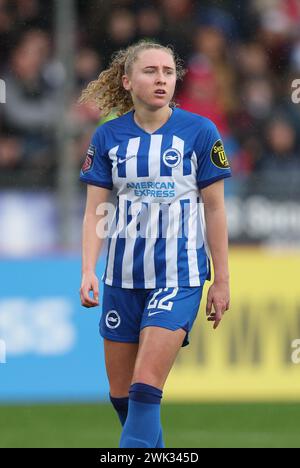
160	78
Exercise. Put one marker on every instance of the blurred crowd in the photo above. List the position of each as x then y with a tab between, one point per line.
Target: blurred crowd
241	59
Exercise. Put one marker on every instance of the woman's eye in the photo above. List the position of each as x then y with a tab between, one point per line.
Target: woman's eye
168	72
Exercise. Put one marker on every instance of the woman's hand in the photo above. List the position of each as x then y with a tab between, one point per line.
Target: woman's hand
218	296
89	283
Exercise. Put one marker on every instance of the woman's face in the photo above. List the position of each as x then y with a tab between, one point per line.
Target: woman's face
152	79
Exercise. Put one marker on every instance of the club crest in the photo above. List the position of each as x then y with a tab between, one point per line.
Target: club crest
172	157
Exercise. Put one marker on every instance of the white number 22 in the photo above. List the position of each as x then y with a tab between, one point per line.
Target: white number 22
156	304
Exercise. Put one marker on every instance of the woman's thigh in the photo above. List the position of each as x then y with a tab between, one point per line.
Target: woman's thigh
157	352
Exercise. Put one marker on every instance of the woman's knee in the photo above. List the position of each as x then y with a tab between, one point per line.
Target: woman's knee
146	376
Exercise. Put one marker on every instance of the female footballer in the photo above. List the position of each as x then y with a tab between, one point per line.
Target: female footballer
164	164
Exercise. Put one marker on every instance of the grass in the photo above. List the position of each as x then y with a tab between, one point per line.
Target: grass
195	425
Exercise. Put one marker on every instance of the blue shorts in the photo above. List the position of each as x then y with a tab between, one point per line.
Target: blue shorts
126	312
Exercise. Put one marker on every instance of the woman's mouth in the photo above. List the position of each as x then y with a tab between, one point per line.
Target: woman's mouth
160	92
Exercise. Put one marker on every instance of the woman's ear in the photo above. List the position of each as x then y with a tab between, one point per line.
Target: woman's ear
126	83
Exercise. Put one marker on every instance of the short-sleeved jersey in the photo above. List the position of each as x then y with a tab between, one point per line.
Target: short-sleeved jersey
158	236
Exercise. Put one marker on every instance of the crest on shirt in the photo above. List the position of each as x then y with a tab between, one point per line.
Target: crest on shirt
89	159
218	155
172	157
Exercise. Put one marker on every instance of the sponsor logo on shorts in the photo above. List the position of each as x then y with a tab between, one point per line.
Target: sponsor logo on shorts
218	155
154	313
112	319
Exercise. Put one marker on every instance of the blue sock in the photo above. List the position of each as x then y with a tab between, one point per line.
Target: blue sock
142	427
121	407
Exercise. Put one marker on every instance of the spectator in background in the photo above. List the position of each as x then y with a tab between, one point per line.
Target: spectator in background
212	37
202	95
212	43
84	118
256	100
281	150
277	170
120	32
209	87
32	109
274	34
19	16
251	61
179	24
88	65
295	56
149	23
287	9
10	153
6	28
29	12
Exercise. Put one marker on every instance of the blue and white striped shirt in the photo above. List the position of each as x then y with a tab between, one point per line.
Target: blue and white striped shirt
158	236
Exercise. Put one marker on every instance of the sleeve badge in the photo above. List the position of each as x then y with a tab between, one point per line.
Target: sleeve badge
89	159
218	156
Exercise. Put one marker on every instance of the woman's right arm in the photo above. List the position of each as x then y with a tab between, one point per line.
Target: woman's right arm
91	245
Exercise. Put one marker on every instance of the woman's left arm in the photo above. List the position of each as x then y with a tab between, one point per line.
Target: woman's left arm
217	237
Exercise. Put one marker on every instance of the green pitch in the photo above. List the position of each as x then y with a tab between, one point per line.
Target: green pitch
185	425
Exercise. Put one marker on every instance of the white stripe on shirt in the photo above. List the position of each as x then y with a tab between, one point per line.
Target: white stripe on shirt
154	156
191	245
171	243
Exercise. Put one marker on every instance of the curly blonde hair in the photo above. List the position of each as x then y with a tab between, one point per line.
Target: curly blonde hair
108	92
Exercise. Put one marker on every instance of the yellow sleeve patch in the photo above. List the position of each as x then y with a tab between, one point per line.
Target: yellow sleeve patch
218	155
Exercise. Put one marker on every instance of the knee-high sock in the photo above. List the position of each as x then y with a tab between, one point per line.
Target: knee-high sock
121	407
142	427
